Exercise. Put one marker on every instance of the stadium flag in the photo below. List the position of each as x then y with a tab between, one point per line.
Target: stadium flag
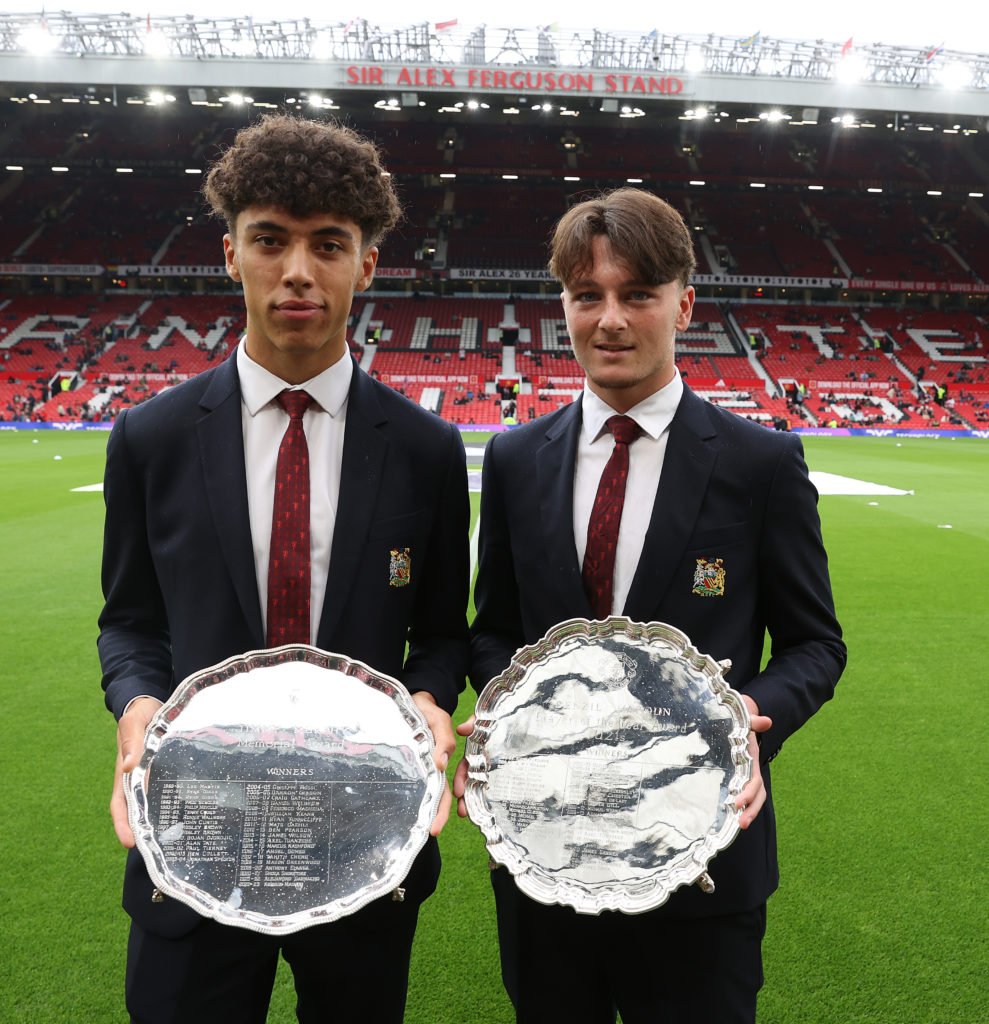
846	49
932	53
149	23
553	27
442	26
750	41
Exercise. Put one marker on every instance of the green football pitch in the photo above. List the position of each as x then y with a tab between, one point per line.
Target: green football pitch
882	800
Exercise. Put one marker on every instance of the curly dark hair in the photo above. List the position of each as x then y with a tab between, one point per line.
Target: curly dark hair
304	167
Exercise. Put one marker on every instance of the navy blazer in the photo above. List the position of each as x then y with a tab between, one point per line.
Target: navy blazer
729	489
178	564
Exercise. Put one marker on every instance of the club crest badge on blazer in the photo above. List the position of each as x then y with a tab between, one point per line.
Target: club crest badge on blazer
709	578
400	567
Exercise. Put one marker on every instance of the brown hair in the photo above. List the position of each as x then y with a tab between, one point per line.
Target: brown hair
644	231
304	167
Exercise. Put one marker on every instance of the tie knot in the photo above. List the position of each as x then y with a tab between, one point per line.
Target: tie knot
623	428
294	403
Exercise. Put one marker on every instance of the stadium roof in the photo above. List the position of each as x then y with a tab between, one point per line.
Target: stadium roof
202	59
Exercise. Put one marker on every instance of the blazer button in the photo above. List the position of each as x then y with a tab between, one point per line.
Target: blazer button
157	896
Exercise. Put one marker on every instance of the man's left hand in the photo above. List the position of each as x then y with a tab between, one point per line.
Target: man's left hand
444	744
753	796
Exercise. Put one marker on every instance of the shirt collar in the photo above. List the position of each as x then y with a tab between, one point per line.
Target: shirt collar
259	386
653	414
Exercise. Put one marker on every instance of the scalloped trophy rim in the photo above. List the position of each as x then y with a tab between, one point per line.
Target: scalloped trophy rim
230	671
534	879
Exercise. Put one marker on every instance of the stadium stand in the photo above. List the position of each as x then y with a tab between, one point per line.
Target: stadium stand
815	307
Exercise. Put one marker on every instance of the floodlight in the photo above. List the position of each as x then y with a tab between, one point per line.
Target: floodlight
851	68
955	75
693	61
156	44
37	40
322	46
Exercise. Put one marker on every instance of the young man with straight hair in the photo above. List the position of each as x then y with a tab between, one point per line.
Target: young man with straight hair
703	493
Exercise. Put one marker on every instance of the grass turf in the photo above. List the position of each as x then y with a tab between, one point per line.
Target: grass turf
881	798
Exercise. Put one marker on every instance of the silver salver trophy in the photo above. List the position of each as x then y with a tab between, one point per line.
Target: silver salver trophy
605	763
284	788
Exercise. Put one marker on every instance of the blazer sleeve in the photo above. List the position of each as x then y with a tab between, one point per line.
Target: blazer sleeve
133	643
807	653
497	631
438	652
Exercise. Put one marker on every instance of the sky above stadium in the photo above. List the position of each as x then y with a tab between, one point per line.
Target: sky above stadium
949	23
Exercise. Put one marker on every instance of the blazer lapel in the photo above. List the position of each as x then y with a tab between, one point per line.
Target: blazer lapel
690	458
221	446
555	462
364	449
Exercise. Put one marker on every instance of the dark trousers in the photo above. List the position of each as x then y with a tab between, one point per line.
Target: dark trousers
186	969
353	969
561	966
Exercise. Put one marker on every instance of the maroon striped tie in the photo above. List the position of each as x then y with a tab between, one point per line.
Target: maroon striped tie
606	517
288	557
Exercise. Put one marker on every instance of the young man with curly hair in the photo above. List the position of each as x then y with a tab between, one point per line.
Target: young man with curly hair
188	563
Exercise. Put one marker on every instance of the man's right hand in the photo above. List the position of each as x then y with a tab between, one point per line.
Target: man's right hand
130	745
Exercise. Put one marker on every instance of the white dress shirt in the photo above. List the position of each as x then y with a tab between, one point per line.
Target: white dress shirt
646	455
264	423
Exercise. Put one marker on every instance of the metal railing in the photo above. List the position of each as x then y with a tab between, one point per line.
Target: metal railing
124	35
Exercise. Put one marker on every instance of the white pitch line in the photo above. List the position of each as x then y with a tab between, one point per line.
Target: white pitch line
832	483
